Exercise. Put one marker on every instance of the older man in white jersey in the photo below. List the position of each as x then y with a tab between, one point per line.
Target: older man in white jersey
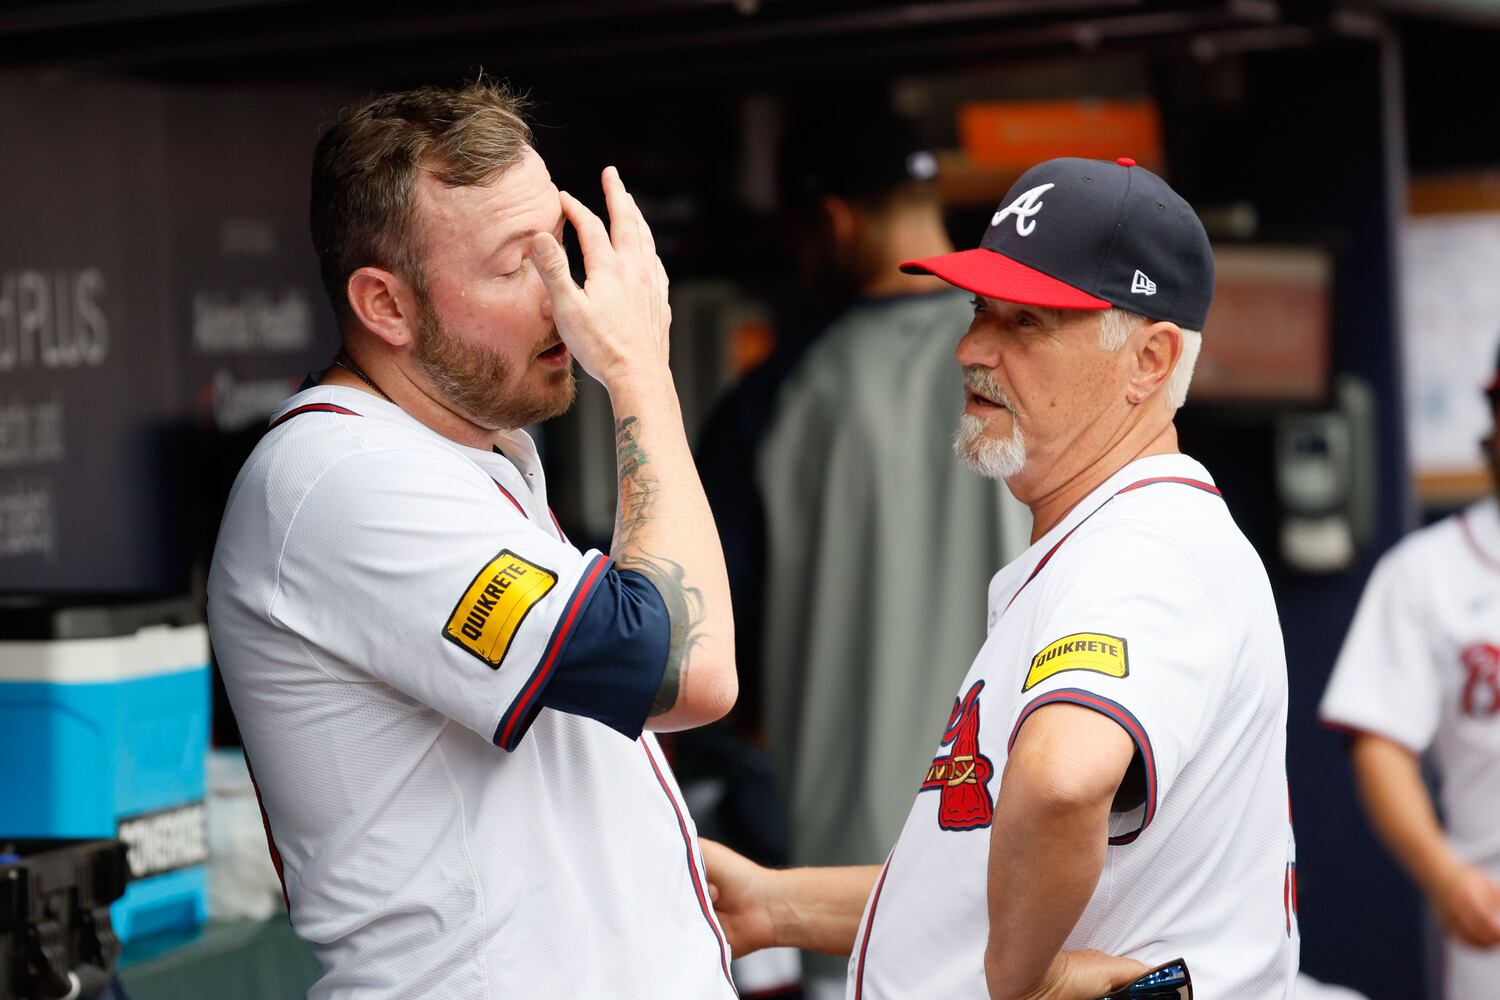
1113	777
443	699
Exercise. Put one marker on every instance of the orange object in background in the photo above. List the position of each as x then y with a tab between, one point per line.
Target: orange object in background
1020	134
750	342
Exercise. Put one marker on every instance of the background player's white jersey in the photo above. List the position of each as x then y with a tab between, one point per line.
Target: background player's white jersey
388	608
1421	666
1147	604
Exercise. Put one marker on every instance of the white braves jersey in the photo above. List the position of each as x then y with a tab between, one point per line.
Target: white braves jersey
1421	666
387	607
1146	604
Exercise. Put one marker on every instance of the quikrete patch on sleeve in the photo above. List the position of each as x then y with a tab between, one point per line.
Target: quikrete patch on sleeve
1103	654
487	617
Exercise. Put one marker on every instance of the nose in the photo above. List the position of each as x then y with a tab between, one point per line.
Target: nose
978	347
539	292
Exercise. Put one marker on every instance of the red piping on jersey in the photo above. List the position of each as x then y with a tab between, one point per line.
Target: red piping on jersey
687	840
859	972
1289	894
512	500
311	408
1127	721
270	840
558	525
1206	487
508	734
1468	532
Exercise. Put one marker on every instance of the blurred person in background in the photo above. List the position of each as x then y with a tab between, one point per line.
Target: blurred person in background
858	550
443	700
1420	671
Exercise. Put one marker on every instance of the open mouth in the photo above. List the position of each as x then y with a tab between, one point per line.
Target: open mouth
976	400
557	350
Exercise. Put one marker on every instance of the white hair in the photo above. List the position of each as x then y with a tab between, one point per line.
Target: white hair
1115	325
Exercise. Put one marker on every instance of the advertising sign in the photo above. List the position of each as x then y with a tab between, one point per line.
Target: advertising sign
87	396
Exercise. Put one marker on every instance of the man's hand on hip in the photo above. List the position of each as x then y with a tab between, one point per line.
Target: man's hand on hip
1078	975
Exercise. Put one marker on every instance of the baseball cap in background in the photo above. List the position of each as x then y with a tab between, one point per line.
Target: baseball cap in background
851	150
1089	234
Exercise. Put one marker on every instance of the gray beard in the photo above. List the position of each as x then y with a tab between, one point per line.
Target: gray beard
987	456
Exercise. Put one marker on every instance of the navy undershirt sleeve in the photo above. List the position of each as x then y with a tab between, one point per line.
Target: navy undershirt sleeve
615	658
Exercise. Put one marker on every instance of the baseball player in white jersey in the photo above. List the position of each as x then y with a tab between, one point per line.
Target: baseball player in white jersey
1419	671
442	699
1112	778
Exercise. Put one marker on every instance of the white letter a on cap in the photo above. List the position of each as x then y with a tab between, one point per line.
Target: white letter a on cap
1023	208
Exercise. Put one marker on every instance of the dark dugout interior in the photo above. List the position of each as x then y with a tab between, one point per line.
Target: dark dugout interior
153	186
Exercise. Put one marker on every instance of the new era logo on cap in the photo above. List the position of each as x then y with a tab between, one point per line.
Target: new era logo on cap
1080	234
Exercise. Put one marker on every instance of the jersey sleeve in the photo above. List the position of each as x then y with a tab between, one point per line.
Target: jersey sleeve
1128	630
412	570
1384	681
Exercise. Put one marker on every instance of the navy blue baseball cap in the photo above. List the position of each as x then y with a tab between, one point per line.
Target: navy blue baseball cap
815	158
1089	234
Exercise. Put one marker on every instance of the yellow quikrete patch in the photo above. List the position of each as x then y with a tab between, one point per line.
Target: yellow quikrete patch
1103	654
487	617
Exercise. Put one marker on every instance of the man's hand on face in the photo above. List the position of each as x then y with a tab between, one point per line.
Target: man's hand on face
737	886
617	324
1078	975
1467	901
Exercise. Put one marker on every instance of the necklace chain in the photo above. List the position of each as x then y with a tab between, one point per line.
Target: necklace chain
353	369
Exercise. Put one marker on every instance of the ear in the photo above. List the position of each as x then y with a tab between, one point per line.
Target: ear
843	225
384	304
1153	349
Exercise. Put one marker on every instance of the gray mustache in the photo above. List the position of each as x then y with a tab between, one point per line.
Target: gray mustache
978	379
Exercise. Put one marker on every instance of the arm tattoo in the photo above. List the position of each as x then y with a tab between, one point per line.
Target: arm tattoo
685	610
637	487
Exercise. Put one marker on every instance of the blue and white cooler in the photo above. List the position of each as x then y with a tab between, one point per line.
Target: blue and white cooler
107	737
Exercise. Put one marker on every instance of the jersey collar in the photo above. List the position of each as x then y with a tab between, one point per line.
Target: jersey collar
1154	467
516	453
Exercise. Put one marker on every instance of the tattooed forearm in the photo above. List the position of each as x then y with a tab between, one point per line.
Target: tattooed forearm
685	605
637	488
631	455
684	611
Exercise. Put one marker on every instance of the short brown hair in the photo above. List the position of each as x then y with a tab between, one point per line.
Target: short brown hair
366	165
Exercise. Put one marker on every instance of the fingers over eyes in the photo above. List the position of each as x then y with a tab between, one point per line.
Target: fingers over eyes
593	238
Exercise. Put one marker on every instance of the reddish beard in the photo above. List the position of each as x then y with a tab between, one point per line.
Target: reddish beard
479	382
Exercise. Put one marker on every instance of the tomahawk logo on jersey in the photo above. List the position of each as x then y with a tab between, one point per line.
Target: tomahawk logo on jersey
962	776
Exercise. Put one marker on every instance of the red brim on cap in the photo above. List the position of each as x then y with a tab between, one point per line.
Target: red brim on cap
995	276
